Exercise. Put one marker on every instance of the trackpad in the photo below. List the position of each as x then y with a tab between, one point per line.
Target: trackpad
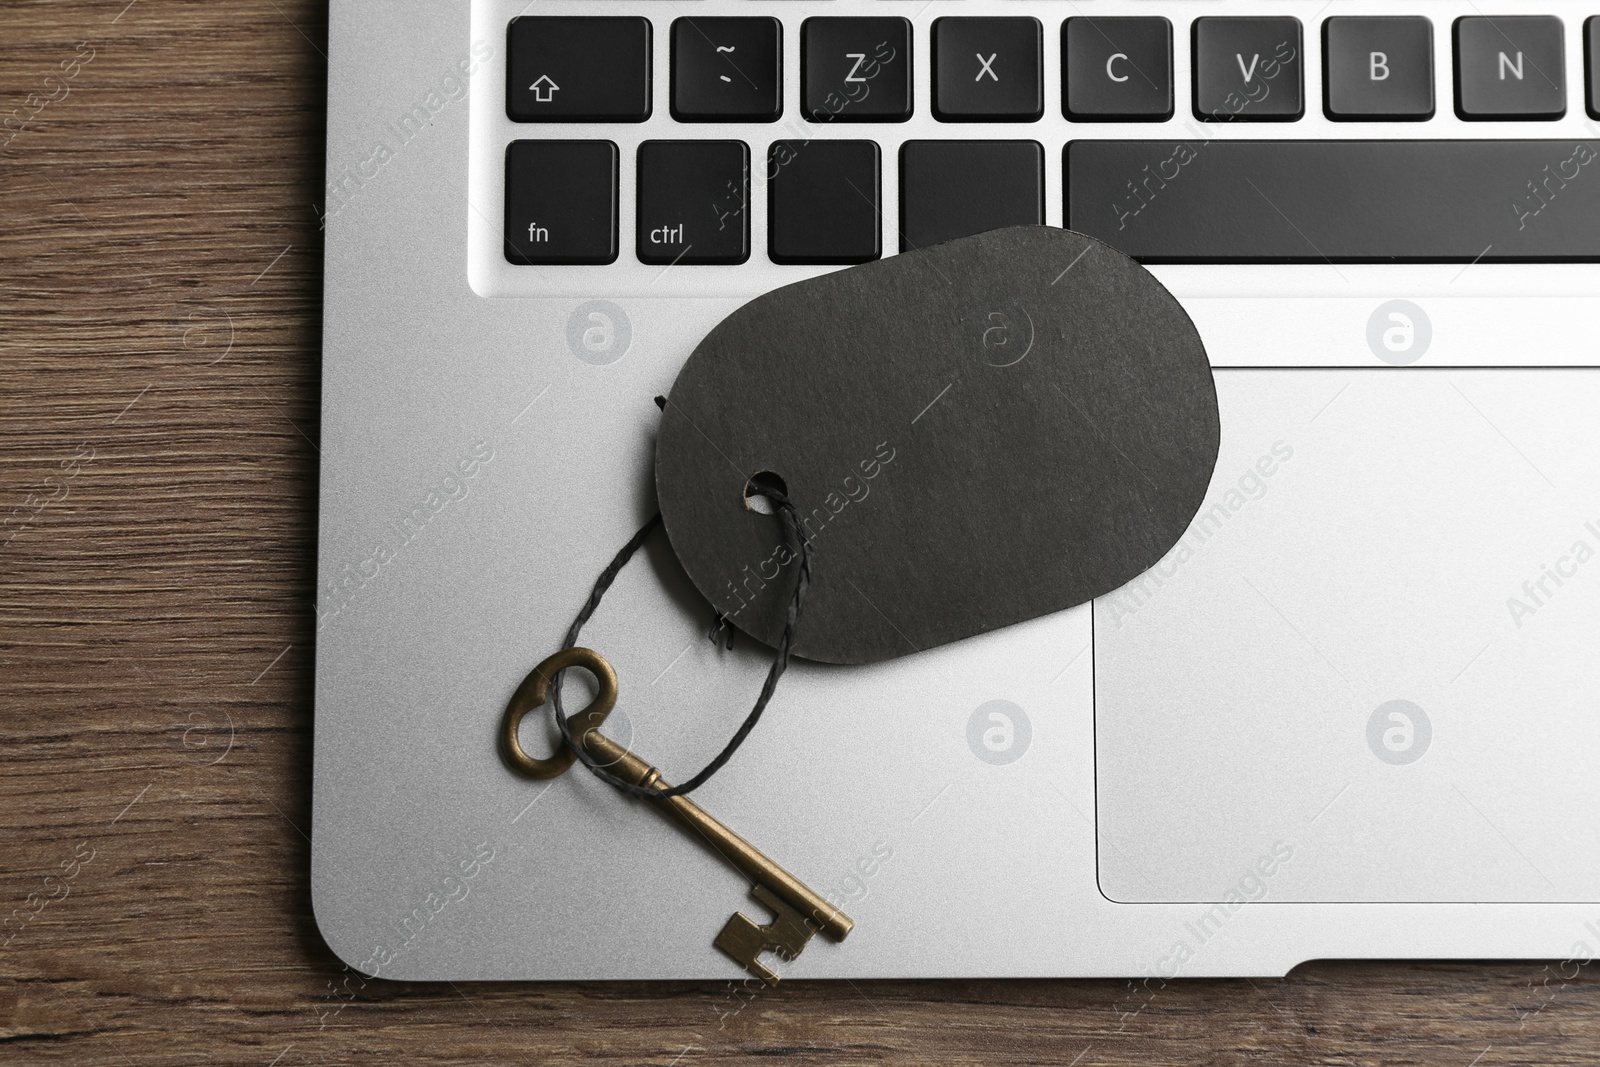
1371	669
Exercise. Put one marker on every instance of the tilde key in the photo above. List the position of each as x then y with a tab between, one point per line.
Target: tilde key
799	912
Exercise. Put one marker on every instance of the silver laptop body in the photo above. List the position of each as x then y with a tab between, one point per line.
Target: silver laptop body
1353	714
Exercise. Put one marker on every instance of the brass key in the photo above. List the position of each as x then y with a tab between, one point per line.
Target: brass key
799	911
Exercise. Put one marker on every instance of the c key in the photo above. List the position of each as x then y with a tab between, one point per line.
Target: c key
1117	69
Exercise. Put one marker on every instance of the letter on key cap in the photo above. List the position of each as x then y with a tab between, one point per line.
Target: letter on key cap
988	68
856	69
1378	68
561	202
578	69
1248	70
1510	67
1117	69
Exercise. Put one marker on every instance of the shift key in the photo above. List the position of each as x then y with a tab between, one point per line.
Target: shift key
578	69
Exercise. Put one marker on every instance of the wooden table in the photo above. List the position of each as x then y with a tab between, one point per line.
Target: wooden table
160	277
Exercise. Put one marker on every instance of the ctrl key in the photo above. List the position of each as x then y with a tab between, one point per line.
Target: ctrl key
561	202
692	200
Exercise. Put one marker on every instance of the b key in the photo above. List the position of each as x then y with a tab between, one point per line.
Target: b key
799	912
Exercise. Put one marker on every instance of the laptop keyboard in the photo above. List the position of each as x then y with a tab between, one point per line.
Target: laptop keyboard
1285	167
1395	199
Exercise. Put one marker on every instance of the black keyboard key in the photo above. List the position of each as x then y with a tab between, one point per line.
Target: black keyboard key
1239	201
1591	60
856	69
951	189
823	202
578	69
1248	70
1378	68
561	202
988	68
1510	67
693	202
727	69
1117	69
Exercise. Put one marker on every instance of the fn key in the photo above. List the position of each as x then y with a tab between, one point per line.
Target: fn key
561	202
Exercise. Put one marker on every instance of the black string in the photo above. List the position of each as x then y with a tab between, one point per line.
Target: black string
780	662
719	625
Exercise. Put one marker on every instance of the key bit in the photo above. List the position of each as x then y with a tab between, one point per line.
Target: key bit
743	940
800	911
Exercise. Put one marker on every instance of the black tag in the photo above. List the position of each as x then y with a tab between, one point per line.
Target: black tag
977	433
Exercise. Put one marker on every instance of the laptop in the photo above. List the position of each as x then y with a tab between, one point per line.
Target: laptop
1352	714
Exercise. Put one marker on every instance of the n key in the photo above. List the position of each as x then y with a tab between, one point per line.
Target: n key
1510	67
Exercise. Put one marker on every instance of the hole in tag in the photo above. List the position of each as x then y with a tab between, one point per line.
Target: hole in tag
755	491
1076	471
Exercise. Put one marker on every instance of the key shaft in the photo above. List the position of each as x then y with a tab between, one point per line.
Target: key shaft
733	848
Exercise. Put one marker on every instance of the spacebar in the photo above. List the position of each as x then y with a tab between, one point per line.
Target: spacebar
1338	201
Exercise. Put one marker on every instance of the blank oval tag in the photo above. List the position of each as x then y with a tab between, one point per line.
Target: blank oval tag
975	434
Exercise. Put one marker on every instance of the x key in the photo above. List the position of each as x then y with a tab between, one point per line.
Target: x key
987	69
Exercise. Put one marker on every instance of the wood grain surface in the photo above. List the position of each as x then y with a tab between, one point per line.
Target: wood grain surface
160	285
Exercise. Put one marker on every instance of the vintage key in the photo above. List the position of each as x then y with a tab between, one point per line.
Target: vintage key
799	912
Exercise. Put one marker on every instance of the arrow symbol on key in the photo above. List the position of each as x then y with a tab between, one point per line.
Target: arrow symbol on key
544	89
